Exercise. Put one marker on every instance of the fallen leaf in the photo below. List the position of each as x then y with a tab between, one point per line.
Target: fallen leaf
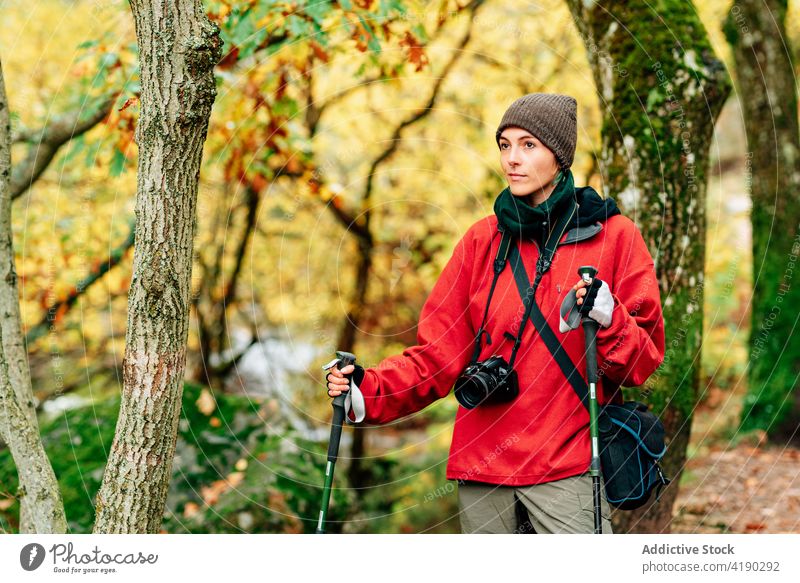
205	402
190	509
212	492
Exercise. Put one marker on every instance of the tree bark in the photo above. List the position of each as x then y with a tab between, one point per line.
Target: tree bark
765	77
178	49
661	89
41	506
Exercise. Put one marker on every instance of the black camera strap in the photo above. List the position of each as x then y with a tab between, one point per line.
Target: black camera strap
499	264
507	248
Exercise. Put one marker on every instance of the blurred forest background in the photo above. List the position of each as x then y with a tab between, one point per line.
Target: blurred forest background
379	132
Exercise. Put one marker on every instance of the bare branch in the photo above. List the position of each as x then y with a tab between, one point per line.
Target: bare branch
424	111
46	142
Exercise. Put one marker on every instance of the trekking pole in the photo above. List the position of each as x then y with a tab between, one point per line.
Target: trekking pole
343	359
590	327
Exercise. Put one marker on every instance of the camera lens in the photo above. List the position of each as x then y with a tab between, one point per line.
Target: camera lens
490	381
472	391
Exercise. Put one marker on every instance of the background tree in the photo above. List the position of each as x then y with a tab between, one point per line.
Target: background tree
178	49
41	507
661	88
266	139
37	480
766	81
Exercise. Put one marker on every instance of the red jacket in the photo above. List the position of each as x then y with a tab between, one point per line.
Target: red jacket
543	434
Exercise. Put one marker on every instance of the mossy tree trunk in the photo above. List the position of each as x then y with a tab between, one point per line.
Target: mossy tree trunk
41	505
661	89
178	48
766	82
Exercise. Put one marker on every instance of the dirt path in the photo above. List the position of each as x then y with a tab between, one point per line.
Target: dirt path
744	489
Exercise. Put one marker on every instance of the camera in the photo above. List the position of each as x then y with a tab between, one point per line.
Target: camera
488	382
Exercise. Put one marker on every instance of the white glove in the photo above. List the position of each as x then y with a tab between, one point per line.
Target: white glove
598	304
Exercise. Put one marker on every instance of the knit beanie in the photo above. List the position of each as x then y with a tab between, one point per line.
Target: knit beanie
551	117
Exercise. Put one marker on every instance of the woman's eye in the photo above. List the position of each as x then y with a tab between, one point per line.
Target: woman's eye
530	144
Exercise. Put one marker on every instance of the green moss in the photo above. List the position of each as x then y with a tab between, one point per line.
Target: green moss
239	469
77	443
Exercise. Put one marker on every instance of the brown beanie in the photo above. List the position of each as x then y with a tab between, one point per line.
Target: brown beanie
551	117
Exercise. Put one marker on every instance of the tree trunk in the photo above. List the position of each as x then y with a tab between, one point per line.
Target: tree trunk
178	48
357	474
765	76
41	506
216	296
661	89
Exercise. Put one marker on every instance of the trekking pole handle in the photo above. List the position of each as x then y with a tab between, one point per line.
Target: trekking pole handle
345	359
590	326
587	273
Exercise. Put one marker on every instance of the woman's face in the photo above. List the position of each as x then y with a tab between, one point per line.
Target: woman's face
528	164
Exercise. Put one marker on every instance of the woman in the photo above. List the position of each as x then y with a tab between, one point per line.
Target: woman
522	463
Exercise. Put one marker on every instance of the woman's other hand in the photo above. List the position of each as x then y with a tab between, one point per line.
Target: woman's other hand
337	383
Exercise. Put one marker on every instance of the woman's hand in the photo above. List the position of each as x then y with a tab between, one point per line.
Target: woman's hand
595	300
581	290
337	383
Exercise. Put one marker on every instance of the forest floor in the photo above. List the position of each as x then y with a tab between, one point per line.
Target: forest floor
730	485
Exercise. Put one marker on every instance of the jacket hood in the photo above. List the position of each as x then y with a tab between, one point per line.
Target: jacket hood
592	207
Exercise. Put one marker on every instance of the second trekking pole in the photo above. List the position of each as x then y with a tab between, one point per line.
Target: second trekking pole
590	328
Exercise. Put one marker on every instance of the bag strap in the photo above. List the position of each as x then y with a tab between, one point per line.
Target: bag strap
560	355
547	335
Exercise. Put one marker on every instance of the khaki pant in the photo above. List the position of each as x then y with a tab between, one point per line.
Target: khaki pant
562	506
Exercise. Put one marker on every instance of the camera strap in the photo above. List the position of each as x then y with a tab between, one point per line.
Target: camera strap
499	264
507	248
